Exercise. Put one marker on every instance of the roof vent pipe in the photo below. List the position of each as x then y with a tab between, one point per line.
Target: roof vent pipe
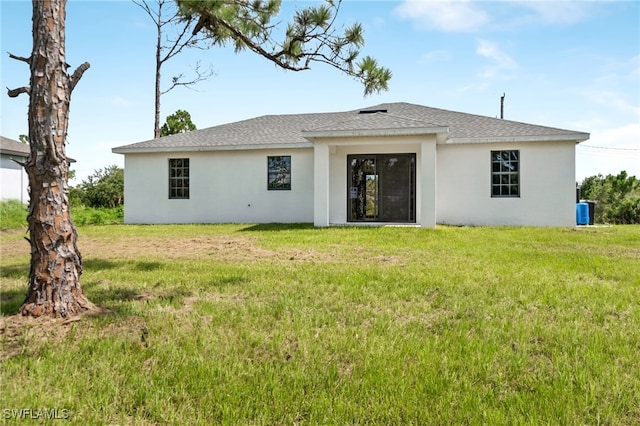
502	106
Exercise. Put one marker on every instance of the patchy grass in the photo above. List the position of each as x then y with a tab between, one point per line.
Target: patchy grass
288	324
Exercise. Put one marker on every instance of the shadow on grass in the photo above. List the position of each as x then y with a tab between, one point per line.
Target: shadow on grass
11	300
15	272
278	227
104	265
121	299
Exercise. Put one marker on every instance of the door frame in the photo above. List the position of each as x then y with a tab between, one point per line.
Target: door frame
411	217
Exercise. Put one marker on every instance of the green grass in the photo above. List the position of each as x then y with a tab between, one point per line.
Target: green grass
13	215
288	324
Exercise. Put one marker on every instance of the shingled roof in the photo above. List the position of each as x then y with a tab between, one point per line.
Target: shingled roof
292	130
13	147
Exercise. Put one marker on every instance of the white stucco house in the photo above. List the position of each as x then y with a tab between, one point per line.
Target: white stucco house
14	183
394	163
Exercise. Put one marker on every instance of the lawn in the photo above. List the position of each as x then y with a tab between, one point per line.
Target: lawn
288	324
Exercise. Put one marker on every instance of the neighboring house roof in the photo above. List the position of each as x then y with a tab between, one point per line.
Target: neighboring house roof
13	147
292	130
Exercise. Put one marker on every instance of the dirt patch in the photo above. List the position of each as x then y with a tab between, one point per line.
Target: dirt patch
22	334
14	247
222	248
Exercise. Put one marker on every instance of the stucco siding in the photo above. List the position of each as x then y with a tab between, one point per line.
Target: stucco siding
14	182
225	187
547	185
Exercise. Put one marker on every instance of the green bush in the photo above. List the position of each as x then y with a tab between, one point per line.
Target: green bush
103	189
627	212
617	197
13	215
97	216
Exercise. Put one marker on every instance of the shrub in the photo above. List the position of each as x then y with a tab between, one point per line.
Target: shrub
13	215
616	197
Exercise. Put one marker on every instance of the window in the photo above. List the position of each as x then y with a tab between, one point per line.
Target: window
179	178
279	172
505	173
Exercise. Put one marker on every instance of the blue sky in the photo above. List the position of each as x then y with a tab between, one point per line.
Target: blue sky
567	64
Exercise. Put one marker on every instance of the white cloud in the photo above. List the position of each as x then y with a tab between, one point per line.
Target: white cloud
472	15
609	152
436	56
558	12
443	15
613	100
501	64
626	137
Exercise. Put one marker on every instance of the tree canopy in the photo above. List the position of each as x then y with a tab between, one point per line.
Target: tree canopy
178	122
104	188
617	197
310	37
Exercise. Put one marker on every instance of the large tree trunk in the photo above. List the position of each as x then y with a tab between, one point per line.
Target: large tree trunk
56	264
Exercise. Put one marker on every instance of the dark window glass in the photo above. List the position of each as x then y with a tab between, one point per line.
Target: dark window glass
505	173
179	178
279	172
381	188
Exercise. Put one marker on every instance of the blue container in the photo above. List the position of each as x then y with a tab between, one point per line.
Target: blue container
582	214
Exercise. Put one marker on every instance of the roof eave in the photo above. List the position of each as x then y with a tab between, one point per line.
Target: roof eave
15	153
576	137
413	131
242	147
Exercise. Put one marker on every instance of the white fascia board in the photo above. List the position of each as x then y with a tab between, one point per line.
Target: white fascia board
413	131
243	147
578	137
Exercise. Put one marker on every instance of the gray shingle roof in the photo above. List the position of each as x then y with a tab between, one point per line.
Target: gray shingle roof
13	147
374	121
271	131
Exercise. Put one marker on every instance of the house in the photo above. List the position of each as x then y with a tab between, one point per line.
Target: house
394	163
14	183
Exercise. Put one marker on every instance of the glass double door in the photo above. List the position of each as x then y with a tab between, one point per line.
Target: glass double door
381	188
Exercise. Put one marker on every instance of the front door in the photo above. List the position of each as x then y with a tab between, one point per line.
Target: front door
381	188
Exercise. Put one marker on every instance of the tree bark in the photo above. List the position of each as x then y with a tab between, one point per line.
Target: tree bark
56	263
156	122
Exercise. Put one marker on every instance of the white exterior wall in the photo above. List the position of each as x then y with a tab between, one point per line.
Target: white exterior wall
14	182
225	187
453	184
547	185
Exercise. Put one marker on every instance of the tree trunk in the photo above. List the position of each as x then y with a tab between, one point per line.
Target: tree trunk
56	264
156	124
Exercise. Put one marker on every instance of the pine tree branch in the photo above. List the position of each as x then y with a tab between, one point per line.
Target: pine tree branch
77	75
19	162
200	76
20	58
20	90
213	21
154	16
